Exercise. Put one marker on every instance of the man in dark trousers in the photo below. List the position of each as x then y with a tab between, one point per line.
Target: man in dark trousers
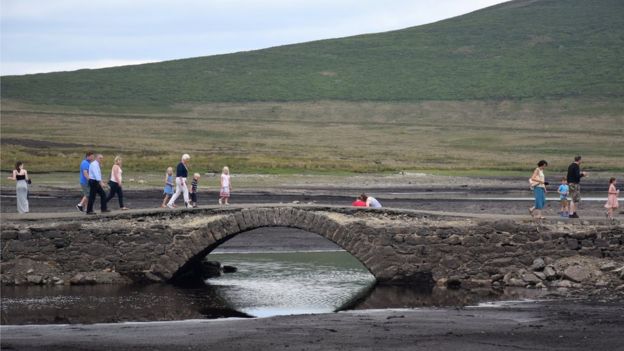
96	186
574	182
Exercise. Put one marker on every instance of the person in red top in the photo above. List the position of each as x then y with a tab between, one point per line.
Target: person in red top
359	202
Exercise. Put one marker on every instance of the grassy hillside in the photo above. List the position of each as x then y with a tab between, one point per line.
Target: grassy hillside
519	49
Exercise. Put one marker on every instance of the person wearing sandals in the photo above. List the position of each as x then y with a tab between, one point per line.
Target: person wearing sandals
115	183
538	185
20	176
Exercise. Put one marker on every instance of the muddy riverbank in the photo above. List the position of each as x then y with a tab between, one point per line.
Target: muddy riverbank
543	325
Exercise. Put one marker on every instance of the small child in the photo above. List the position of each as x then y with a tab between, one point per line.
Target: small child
168	191
196	177
612	198
226	186
563	191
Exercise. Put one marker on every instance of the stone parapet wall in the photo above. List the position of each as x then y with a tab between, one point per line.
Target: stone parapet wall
396	246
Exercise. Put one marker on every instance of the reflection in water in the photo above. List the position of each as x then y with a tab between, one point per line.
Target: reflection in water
269	284
392	296
109	304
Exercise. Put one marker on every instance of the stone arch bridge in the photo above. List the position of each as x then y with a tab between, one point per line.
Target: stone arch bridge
396	246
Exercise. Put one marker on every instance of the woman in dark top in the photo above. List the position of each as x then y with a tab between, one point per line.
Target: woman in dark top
181	184
20	175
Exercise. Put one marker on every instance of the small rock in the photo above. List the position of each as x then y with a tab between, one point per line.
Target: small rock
454	240
609	266
540	275
601	284
531	278
516	282
497	277
540	285
538	265
562	284
620	288
59	282
550	273
229	269
30	271
77	279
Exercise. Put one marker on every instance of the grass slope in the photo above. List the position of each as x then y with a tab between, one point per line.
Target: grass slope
519	49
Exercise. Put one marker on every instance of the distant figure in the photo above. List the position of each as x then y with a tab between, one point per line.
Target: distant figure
538	184
196	177
370	201
226	186
84	180
359	202
574	182
96	186
20	176
168	191
116	188
612	198
563	191
180	181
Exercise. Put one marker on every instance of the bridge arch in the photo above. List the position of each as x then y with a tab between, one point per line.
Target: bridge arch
205	234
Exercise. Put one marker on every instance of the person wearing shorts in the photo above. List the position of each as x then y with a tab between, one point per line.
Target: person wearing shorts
574	182
84	180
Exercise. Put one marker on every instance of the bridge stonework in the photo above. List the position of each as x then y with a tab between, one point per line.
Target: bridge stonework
395	246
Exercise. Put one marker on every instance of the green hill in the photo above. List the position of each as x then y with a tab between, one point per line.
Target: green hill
516	50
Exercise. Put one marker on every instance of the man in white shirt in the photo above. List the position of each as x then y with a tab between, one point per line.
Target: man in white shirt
96	185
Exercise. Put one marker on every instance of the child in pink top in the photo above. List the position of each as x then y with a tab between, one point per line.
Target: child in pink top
612	198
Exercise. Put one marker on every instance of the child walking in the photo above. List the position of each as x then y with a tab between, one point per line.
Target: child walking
612	198
226	186
563	191
168	191
196	177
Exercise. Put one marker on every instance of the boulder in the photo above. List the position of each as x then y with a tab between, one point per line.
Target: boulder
577	273
34	279
538	265
531	278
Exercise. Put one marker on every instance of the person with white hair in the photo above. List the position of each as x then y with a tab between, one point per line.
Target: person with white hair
180	181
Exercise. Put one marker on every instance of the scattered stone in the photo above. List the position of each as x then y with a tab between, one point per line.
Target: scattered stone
550	273
540	275
538	265
562	284
531	278
30	271
540	285
620	288
577	273
454	240
34	279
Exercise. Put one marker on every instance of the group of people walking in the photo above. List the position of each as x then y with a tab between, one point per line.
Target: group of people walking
180	184
92	184
569	191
